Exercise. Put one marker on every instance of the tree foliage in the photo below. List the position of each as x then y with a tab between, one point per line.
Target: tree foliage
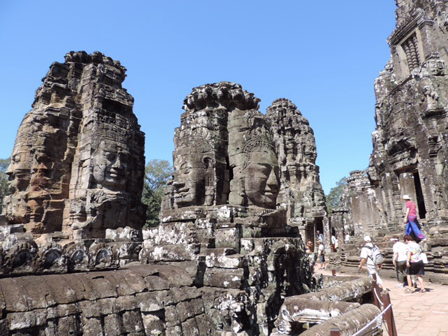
334	198
4	163
157	173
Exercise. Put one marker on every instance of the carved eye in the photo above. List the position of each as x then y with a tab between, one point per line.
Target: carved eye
184	168
16	158
110	156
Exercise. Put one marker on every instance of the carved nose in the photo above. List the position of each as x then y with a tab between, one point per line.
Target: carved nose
272	181
9	171
117	164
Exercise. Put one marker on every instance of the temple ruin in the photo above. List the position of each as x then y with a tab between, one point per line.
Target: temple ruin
229	250
77	165
409	147
228	257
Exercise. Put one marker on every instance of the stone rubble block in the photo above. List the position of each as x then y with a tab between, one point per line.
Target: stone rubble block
349	323
227	237
347	291
90	309
132	322
149	302
169	253
298	310
91	326
224	278
233	261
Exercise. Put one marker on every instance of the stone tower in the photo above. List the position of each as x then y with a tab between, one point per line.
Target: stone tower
226	216
410	149
301	192
77	165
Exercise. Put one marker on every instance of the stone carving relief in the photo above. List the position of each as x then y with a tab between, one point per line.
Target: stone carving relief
261	171
224	153
77	165
221	210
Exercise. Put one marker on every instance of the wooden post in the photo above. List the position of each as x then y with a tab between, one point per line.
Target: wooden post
335	332
375	289
388	316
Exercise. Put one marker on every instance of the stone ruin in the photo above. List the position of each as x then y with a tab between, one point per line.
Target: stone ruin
76	172
230	215
409	143
229	250
77	166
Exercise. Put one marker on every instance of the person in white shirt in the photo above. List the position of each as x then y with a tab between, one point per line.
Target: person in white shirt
366	258
321	254
334	243
347	238
399	260
320	236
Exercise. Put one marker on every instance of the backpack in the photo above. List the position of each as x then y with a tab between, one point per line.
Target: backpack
376	255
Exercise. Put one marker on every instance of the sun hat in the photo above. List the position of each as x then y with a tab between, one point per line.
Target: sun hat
406	197
367	239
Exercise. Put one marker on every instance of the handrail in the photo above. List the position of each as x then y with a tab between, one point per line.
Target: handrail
376	318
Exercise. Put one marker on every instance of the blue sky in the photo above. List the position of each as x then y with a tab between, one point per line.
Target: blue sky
322	55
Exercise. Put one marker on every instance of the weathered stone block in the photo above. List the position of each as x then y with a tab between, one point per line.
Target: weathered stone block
91	326
90	309
149	302
153	324
228	237
113	325
132	322
224	278
124	303
68	325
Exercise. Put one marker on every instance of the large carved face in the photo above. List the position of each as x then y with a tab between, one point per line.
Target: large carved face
110	168
19	170
189	181
261	181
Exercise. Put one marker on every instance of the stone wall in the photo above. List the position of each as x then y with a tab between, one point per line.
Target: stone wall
137	300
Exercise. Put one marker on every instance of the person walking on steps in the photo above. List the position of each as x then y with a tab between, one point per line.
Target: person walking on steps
367	252
410	219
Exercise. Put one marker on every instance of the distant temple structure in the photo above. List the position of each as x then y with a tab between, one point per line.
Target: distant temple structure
410	149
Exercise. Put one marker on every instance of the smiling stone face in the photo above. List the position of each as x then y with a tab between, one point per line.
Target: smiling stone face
261	181
110	168
19	170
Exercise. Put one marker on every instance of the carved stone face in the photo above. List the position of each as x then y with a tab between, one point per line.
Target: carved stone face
261	178
19	170
190	182
110	165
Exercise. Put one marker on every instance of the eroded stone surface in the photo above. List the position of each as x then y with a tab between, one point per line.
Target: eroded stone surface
409	143
77	165
239	204
95	303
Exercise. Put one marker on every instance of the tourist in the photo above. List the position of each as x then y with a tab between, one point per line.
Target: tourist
367	258
321	255
347	238
414	264
410	219
334	243
399	260
320	236
310	252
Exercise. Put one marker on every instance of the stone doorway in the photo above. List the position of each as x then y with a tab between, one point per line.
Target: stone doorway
419	196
